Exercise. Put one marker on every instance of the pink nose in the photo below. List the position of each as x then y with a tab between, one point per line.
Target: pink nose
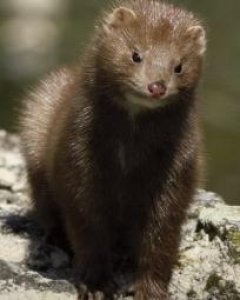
157	88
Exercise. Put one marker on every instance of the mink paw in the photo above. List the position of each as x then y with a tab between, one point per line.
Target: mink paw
86	294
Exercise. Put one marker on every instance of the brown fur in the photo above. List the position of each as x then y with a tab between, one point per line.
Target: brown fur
118	184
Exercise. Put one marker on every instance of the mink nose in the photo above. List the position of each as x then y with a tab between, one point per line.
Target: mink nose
157	88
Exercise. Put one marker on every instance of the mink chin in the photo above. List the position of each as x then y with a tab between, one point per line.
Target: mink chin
113	147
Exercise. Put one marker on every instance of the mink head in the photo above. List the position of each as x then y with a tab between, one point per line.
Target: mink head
152	50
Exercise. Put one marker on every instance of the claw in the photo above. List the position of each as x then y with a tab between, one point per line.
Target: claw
83	292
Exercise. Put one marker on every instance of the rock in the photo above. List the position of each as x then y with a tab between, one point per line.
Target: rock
209	260
220	215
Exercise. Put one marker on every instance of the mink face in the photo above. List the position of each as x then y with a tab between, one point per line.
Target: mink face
155	51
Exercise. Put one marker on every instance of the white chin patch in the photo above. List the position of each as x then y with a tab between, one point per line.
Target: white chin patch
136	103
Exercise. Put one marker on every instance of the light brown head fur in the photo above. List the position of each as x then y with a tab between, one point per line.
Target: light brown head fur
165	38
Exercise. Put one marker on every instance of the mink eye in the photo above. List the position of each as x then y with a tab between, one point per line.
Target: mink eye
178	69
136	57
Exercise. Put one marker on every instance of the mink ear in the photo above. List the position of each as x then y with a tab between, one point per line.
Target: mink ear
120	17
198	35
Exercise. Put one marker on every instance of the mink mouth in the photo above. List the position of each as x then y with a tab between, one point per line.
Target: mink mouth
147	96
140	100
137	99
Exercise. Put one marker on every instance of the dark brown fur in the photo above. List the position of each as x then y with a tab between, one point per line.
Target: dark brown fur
118	185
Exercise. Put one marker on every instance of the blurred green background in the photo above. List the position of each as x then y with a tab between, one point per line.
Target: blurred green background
37	35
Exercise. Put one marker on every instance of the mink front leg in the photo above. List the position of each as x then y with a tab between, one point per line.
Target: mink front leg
160	244
157	262
92	255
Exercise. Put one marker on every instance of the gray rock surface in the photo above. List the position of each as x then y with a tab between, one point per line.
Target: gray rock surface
209	262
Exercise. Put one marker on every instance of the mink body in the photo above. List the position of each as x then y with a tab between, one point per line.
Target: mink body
112	175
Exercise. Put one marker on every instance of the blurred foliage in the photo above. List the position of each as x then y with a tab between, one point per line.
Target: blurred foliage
220	89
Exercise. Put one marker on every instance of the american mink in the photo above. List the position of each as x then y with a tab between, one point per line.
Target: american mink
113	146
